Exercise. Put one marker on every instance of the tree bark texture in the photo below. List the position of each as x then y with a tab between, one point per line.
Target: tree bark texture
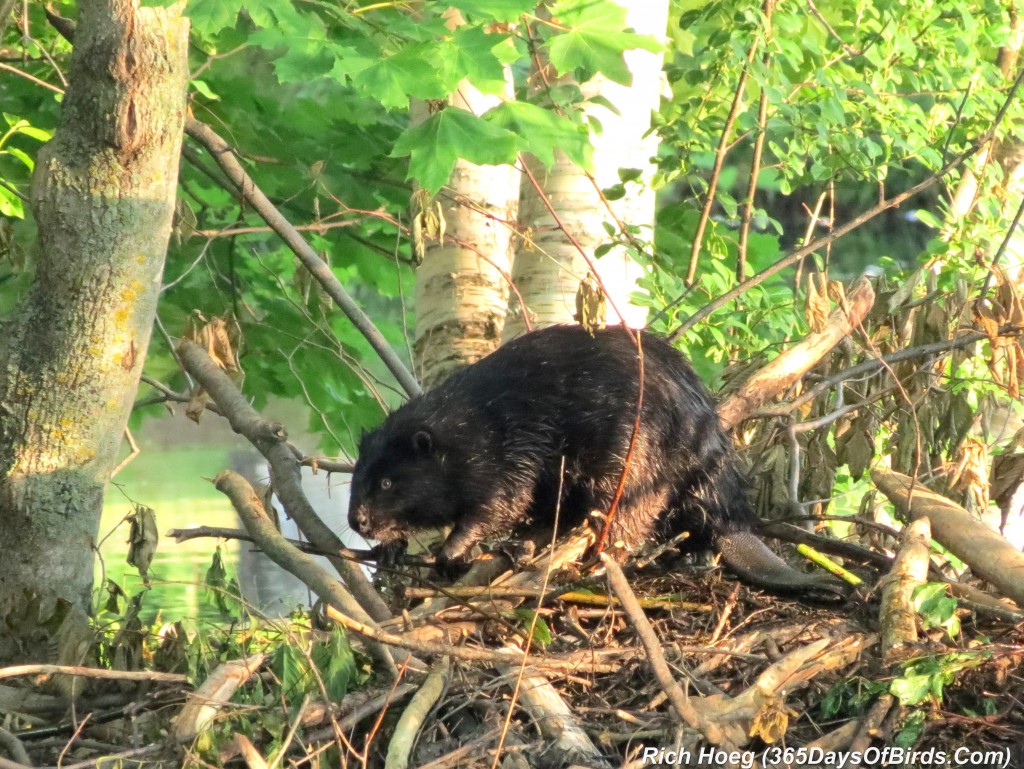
548	267
462	287
70	357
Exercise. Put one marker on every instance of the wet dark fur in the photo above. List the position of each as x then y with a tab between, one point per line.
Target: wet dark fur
483	450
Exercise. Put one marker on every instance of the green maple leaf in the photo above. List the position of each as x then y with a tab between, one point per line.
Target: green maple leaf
499	10
540	131
211	16
470	54
301	49
393	79
435	144
595	39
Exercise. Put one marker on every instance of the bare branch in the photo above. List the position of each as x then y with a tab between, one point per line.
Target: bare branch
225	157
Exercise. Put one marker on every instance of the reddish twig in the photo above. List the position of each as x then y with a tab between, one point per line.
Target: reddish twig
614	508
384	710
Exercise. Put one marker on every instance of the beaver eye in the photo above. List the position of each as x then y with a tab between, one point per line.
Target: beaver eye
385	483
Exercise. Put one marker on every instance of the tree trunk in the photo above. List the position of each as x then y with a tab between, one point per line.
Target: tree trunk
70	358
462	287
549	268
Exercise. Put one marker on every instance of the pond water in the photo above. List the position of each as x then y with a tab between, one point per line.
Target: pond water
174	481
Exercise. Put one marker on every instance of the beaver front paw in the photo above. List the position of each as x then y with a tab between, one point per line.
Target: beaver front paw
388	554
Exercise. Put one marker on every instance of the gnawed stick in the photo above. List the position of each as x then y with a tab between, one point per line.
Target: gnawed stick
988	554
493	569
869	727
656	657
793	363
212	695
271	441
415	713
258	523
487	592
897	615
748	709
556	721
366	707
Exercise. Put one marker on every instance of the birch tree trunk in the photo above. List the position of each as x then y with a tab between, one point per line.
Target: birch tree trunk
70	359
548	269
462	287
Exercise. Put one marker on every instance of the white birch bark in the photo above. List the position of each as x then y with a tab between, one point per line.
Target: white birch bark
548	267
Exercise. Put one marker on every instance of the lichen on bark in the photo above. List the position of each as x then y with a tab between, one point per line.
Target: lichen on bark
71	355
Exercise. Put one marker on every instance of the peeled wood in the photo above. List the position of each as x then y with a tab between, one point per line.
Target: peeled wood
898	617
988	554
488	570
212	695
415	713
562	732
240	745
792	364
746	712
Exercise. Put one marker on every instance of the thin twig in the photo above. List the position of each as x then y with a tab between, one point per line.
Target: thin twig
270	439
799	253
659	666
755	162
716	171
882	206
133	452
847	49
1002	250
257	522
6	9
226	159
602	540
32	78
533	626
16	671
869	366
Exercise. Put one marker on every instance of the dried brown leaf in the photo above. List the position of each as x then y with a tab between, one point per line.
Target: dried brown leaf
817	306
591	309
970	473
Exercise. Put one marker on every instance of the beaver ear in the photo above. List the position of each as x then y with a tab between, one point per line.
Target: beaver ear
423	442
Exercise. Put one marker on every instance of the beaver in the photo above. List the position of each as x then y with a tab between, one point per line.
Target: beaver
540	428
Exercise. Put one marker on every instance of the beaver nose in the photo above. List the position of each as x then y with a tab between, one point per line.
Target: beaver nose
359	522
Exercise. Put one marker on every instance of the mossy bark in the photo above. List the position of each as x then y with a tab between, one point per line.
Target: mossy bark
70	358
